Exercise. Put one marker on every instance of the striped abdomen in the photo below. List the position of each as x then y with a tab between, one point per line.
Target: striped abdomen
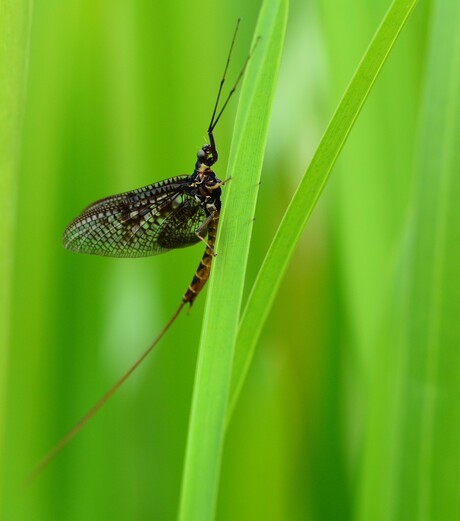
204	268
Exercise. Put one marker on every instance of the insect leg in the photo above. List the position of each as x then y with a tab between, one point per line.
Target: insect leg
203	226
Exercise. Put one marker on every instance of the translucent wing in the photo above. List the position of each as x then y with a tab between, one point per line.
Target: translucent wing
143	222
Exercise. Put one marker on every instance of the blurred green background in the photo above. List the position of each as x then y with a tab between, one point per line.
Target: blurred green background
119	95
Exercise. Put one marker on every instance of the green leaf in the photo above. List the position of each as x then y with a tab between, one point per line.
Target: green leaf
411	468
210	398
15	30
309	190
14	27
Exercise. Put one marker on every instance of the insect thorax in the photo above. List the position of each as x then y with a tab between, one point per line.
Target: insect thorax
205	188
204	185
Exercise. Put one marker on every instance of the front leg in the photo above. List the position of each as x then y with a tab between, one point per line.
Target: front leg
214	154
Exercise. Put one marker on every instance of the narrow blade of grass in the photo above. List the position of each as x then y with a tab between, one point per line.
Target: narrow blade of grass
411	464
14	46
207	423
309	190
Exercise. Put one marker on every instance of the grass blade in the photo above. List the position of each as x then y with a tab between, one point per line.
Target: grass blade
207	423
412	471
14	46
309	190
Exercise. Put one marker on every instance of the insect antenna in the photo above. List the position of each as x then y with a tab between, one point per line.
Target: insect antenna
214	118
222	81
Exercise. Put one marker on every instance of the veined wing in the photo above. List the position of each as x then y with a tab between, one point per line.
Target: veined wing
140	195
135	223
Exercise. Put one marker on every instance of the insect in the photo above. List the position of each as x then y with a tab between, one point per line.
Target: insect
174	213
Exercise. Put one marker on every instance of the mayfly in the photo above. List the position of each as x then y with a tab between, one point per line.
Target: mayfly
174	213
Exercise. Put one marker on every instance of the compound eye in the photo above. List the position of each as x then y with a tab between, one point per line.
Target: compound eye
201	154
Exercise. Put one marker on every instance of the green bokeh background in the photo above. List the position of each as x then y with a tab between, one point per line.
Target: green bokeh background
119	95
